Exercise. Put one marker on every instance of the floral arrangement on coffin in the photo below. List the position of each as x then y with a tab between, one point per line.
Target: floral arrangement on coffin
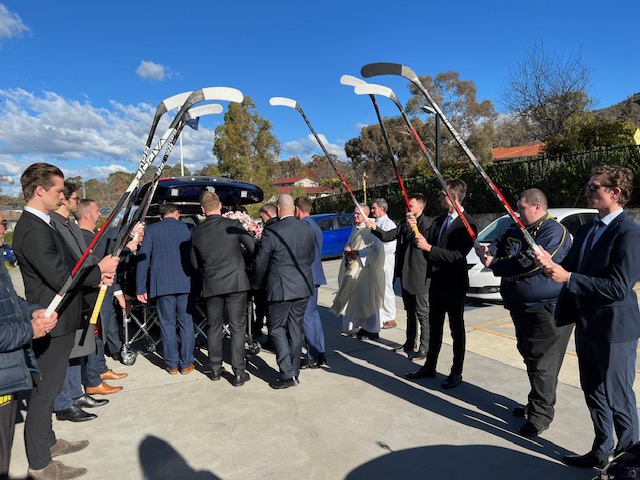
249	224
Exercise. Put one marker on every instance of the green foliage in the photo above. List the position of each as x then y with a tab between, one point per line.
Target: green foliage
210	170
245	147
588	132
175	171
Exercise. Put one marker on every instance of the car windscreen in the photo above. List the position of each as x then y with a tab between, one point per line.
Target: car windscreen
495	230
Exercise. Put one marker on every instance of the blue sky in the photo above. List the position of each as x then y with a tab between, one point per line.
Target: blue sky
80	80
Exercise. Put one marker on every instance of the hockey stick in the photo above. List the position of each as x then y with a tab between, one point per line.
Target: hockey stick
287	102
210	93
124	233
353	82
372	89
375	69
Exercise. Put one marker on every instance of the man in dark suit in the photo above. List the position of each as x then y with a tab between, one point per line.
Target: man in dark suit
163	273
287	250
411	267
598	277
446	245
269	215
313	331
45	264
225	282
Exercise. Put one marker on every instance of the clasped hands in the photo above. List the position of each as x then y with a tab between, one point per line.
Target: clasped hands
42	324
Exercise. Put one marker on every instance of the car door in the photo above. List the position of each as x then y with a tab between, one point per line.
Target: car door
330	240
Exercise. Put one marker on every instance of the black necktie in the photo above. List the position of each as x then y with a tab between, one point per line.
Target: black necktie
589	242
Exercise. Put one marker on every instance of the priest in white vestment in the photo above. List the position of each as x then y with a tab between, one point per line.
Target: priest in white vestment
379	209
361	281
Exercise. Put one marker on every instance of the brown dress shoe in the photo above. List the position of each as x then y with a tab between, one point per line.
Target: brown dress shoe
102	389
111	375
172	371
389	324
189	369
56	470
62	447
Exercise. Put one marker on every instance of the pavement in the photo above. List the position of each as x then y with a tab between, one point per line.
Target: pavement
357	419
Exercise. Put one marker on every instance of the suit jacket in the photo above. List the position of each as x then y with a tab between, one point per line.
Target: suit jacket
448	261
165	258
287	250
411	262
71	233
316	267
216	253
46	263
607	307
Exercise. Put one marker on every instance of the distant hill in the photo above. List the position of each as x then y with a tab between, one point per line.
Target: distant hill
628	109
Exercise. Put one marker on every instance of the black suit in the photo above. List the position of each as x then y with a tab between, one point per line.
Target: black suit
287	250
412	268
607	327
45	264
449	283
217	255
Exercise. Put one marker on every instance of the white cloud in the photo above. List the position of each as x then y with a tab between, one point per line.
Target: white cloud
360	126
306	147
151	70
83	139
11	25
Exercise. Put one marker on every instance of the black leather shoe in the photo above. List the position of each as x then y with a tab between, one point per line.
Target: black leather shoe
362	333
419	355
403	349
216	375
74	414
309	363
422	372
280	383
452	381
87	401
588	460
531	430
322	360
239	379
520	412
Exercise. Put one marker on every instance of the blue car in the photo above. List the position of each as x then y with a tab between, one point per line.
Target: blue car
8	256
336	228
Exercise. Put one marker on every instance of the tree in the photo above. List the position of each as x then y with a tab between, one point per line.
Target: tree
458	101
210	170
174	171
245	147
547	90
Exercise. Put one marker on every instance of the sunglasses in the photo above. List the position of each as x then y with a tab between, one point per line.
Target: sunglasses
594	187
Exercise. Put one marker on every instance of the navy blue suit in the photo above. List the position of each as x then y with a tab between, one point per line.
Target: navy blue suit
313	332
607	328
164	273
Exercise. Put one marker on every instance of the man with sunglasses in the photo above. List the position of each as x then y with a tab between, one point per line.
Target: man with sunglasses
598	276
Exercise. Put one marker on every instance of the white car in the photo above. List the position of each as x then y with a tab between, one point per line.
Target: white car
483	285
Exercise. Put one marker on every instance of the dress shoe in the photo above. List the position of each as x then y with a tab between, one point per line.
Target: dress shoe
172	371
111	375
362	333
74	414
529	429
520	412
419	355
217	374
588	460
239	379
422	372
281	383
389	324
62	447
268	345
87	401
309	363
56	470
322	360
188	370
103	389
403	349
452	381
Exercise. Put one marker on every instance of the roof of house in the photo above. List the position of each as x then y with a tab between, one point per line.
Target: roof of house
505	153
288	180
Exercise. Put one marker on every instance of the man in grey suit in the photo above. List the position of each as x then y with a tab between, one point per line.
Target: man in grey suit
287	250
225	282
598	276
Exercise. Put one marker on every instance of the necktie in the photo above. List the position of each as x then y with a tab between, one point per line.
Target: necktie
589	242
445	226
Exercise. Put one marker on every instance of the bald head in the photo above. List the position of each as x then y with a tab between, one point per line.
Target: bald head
285	205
